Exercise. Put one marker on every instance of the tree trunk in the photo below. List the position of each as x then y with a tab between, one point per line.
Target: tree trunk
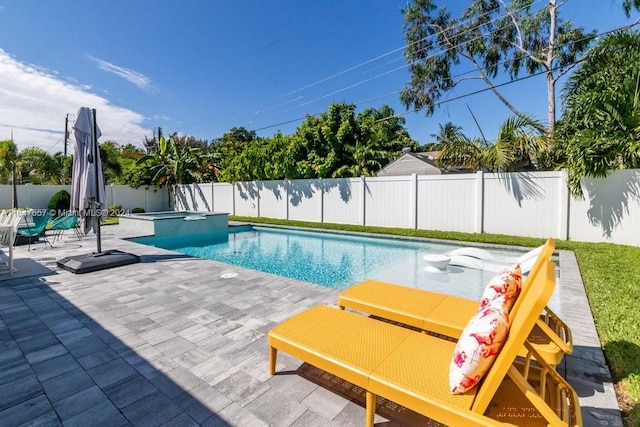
551	84
551	94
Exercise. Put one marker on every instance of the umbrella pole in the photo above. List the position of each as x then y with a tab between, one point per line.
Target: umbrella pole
97	201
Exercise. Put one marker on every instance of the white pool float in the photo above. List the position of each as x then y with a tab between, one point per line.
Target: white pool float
436	263
479	264
485	255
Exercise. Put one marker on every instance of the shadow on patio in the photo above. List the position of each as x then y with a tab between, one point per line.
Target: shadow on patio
59	365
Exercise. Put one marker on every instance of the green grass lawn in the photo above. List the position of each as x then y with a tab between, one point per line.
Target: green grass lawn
611	274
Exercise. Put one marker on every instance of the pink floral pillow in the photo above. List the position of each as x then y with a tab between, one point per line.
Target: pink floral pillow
507	283
478	346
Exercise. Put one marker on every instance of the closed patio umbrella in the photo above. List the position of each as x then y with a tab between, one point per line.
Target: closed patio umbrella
88	199
87	190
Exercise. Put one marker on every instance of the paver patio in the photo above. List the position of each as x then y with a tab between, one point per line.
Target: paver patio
172	341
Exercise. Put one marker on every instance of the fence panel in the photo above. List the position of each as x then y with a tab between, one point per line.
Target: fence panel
305	200
223	197
6	196
610	210
151	200
388	202
446	202
342	202
37	196
194	197
522	204
273	199
246	198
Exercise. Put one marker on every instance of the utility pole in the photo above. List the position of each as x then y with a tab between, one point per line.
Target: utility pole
66	134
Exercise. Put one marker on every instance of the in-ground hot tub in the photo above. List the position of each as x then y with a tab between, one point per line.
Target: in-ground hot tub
175	223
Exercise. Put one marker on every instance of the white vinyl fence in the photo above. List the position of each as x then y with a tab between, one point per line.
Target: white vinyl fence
535	204
38	196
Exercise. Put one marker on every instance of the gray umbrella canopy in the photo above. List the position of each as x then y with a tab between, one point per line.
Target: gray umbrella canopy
84	188
88	198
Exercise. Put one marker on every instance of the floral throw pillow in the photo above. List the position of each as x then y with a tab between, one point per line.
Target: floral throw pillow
478	346
507	283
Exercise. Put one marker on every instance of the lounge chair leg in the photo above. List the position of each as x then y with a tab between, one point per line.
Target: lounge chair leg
371	409
273	352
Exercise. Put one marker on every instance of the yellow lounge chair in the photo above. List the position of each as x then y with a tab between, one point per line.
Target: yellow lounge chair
448	315
412	368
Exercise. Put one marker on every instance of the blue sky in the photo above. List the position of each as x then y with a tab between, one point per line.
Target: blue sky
201	67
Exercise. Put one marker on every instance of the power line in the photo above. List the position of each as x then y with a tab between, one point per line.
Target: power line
457	24
400	49
391	52
467	72
381	74
401	67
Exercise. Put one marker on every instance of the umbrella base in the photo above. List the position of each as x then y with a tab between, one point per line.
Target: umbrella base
79	264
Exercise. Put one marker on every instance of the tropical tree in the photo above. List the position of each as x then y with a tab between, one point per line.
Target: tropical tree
462	152
630	4
379	136
383	128
517	147
364	160
110	158
337	143
63	166
230	145
321	141
490	35
8	163
600	130
36	166
447	133
173	163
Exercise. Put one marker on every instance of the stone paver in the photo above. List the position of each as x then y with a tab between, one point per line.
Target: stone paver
171	341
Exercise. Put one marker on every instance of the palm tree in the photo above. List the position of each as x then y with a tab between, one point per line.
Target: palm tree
446	134
462	152
365	160
37	166
519	143
9	158
600	130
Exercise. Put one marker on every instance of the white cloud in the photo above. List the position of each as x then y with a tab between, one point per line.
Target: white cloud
131	76
34	103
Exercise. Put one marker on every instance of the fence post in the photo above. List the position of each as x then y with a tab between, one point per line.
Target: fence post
321	207
413	200
563	205
233	197
363	200
479	226
213	205
287	183
257	197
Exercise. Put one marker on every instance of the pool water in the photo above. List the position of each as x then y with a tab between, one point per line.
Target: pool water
331	259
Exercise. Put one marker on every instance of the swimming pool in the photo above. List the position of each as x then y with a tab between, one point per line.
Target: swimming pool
331	259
